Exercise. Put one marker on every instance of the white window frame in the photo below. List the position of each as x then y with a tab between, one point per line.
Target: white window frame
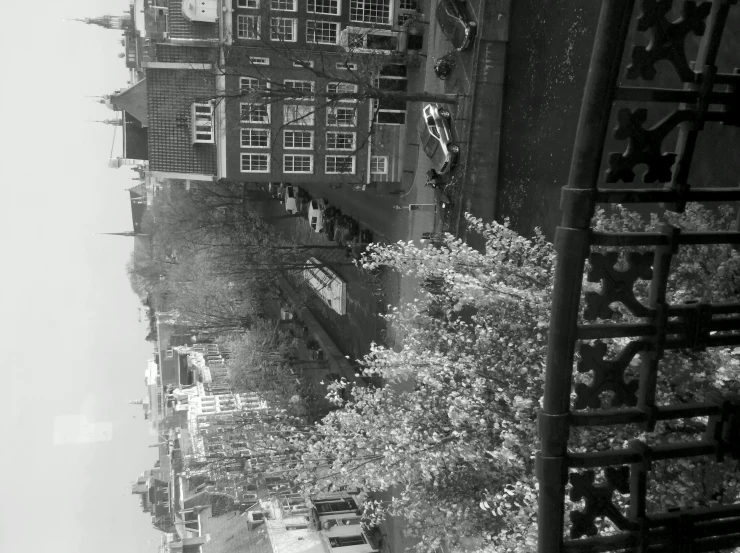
293	157
307	94
250	31
303	63
248	4
259	60
312	32
275	5
253	83
279	21
169	353
334	110
250	156
248	134
291	144
335	159
333	136
203	131
378	165
292	115
358	7
337	8
349	66
339	88
251	119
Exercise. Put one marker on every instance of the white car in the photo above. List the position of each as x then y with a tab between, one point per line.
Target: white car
290	199
316	209
437	121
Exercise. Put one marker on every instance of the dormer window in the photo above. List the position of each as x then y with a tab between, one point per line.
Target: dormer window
202	115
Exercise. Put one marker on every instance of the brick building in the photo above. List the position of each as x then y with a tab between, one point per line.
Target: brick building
244	89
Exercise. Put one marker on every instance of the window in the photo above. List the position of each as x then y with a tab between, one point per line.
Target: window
248	26
169	354
298	140
255	138
251	83
342	88
304	88
202	121
259	61
298	115
378	165
293	163
346	66
327	7
339	164
341	117
282	28
322	32
340	141
248	3
255	113
370	11
346	541
283	5
302	63
407	5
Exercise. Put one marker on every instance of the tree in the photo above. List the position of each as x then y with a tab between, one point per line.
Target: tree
452	430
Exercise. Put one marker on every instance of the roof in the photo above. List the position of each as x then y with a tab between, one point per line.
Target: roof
135	138
231	534
180	27
171	94
133	100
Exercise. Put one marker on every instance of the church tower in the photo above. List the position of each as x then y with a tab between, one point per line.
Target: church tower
119	22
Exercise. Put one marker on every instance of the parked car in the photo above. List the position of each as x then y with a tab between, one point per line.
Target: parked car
437	122
346	229
316	209
276	189
290	199
456	24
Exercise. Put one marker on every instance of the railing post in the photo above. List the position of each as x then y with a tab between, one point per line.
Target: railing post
571	243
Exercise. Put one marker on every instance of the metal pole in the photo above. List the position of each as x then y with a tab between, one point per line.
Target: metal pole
571	243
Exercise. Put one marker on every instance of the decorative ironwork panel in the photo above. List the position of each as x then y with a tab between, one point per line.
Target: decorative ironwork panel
606	339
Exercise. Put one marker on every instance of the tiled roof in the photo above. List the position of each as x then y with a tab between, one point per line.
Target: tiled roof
133	101
178	53
180	27
171	93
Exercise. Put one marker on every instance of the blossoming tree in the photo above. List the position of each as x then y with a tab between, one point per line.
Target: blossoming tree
450	437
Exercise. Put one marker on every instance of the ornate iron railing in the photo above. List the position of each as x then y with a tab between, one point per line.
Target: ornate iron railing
707	96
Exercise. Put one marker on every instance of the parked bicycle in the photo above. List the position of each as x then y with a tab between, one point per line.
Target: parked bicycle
443	66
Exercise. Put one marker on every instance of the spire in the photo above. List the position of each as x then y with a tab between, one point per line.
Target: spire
112	122
107	21
126	233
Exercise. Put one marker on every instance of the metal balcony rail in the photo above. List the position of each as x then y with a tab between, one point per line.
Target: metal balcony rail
708	97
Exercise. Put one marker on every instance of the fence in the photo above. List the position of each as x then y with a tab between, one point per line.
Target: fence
707	97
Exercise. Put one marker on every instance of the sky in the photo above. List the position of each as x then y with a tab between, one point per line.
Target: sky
74	348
